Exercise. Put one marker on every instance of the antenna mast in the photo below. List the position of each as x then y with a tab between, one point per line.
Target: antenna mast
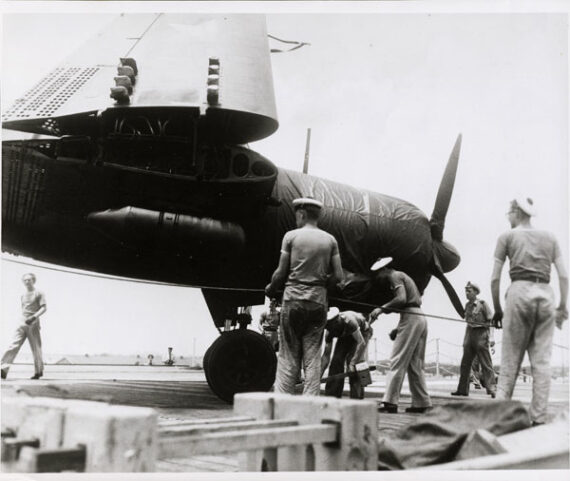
307	147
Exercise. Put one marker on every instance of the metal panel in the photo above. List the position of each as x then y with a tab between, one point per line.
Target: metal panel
172	52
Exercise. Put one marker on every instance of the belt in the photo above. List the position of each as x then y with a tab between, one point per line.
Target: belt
530	278
411	305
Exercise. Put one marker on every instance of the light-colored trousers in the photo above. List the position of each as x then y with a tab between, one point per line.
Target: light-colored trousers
408	355
32	334
528	326
302	324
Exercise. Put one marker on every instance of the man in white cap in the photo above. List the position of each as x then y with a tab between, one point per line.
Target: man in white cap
408	351
478	338
309	261
530	313
353	332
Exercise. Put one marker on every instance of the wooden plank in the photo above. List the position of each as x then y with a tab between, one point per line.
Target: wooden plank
117	438
235	441
199	429
199	464
191	422
357	447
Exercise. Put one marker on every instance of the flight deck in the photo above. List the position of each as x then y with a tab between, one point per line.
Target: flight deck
180	394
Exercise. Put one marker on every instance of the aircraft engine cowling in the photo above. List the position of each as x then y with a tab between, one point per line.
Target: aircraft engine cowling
176	234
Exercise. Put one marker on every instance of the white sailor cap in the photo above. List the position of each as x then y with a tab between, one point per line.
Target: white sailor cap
381	262
525	204
333	312
302	201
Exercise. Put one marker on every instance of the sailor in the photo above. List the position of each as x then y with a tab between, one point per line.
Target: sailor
309	261
408	351
476	343
33	306
269	324
352	331
530	313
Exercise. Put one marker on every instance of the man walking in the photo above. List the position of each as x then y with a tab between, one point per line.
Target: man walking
33	306
476	343
408	351
309	261
530	313
353	332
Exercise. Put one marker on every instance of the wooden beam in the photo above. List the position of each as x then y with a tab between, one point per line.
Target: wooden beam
236	441
192	422
186	430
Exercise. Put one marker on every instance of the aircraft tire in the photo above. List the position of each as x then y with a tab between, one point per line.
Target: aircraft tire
205	363
240	361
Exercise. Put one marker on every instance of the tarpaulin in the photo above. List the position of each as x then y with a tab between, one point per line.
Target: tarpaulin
367	225
438	435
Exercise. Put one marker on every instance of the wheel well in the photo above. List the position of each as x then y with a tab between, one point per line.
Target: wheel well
223	305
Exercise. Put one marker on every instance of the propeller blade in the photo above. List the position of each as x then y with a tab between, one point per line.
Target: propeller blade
453	297
443	198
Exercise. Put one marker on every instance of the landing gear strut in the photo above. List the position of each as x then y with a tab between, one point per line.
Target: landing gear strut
239	361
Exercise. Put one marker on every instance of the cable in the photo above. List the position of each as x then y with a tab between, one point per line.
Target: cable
126	279
401	310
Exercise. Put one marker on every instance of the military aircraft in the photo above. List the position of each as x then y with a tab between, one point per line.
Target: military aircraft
139	168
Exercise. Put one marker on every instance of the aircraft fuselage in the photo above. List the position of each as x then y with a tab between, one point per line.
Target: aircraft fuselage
145	208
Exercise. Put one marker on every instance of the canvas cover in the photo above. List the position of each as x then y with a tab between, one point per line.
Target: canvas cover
438	435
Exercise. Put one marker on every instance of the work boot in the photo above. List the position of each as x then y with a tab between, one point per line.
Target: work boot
493	394
418	409
4	373
37	376
388	408
457	393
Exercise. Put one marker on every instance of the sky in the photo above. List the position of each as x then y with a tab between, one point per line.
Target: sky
385	96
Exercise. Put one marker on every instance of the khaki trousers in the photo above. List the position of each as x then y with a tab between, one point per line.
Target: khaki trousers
528	326
408	355
32	334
